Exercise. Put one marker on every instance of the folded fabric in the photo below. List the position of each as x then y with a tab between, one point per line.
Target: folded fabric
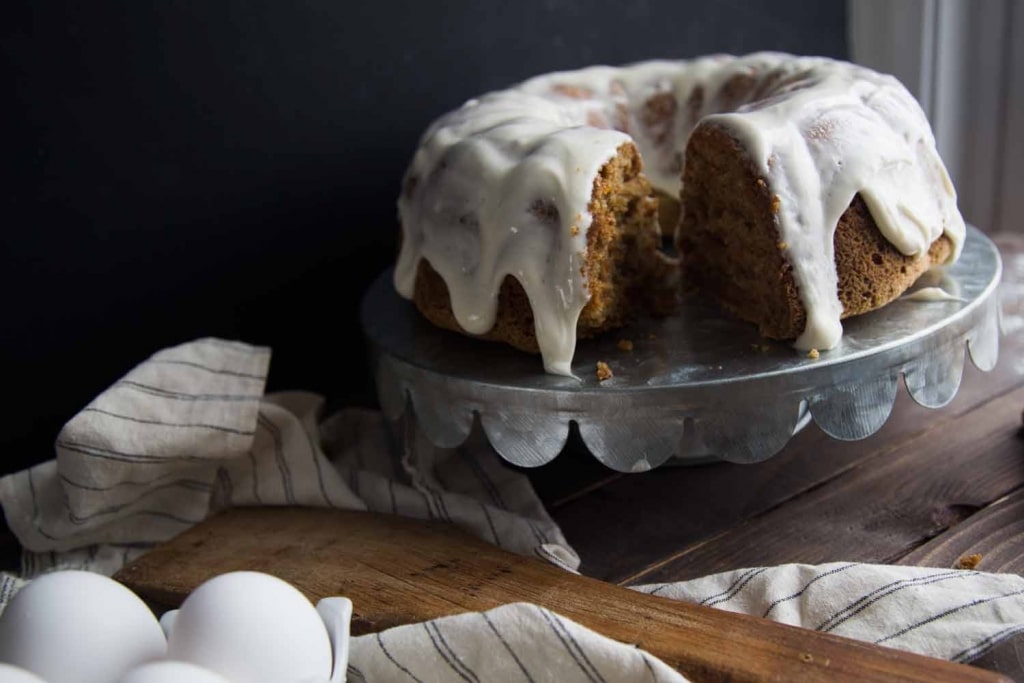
190	431
515	642
953	614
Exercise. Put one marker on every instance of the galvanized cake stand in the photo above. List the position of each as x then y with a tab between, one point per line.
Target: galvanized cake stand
695	387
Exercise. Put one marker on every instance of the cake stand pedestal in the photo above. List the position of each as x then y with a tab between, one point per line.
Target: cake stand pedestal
696	386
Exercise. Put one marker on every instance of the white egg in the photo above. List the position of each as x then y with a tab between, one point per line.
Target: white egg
168	671
78	627
12	674
251	627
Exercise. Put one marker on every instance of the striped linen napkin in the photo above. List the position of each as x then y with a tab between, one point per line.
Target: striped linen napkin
190	431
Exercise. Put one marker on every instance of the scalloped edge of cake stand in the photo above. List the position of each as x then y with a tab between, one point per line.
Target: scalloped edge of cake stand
636	431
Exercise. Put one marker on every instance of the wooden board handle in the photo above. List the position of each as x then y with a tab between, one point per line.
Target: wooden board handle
399	571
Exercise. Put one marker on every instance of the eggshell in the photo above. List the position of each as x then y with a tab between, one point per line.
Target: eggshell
12	674
336	614
252	627
167	671
78	627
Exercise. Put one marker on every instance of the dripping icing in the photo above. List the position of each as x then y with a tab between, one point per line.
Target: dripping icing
822	132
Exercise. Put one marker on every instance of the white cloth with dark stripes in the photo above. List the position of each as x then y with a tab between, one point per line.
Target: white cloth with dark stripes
190	431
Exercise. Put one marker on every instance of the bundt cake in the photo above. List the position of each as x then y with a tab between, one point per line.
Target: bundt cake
808	190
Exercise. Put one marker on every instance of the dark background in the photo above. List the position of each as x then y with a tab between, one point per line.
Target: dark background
172	170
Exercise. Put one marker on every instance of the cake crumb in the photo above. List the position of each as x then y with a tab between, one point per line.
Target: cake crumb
968	561
782	246
761	348
776	203
625	345
813	354
603	371
761	183
574	230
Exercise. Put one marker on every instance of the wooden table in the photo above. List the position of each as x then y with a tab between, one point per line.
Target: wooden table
932	486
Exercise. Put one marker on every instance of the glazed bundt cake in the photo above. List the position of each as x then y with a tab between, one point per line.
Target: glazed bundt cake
797	190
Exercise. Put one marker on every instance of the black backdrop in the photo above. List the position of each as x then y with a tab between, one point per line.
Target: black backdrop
177	169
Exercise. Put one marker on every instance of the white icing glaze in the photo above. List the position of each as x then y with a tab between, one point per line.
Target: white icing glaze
501	185
931	294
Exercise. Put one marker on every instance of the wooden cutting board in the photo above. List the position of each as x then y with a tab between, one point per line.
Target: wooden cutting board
399	571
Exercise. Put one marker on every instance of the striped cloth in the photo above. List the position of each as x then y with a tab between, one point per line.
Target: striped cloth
191	431
953	614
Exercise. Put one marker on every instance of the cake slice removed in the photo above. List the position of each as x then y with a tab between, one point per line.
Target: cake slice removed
730	248
623	267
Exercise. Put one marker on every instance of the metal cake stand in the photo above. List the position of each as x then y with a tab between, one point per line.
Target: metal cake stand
696	386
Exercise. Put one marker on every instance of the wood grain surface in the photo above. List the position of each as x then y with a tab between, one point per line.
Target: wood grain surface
883	507
397	571
688	506
994	538
931	486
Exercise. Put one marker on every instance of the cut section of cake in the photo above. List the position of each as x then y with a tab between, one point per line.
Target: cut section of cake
732	249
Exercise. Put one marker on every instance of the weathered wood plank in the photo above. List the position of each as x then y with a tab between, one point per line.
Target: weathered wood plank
637	520
621	524
401	571
572	474
879	510
1006	658
996	534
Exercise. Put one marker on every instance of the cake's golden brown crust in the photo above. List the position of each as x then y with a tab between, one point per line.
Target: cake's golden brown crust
730	246
623	264
513	325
